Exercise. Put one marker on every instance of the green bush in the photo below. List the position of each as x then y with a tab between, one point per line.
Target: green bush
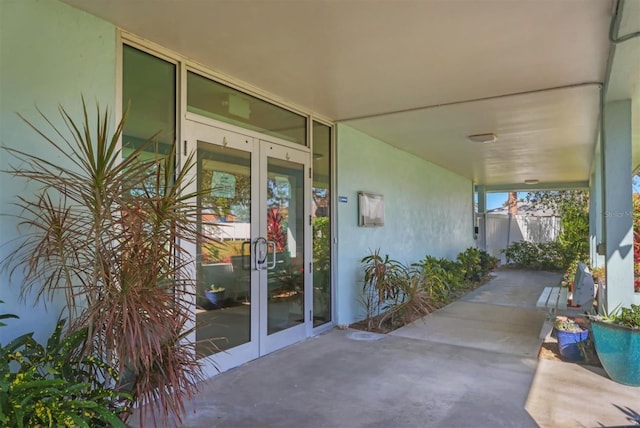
435	279
51	386
487	262
456	271
544	256
476	264
395	293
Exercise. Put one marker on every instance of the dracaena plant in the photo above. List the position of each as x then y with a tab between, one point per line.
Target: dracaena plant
108	232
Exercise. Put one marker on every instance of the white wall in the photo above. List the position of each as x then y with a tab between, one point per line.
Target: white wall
50	54
428	210
503	229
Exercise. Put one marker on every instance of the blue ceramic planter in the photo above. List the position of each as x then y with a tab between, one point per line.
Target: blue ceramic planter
618	348
569	343
215	297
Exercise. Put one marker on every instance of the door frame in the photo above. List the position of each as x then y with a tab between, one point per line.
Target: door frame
197	127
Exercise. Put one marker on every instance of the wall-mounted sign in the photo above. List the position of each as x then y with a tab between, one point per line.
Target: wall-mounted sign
343	199
370	209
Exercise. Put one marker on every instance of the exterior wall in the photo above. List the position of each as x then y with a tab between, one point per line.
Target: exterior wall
428	210
50	54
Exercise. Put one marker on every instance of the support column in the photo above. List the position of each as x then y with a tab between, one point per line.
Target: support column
482	217
618	211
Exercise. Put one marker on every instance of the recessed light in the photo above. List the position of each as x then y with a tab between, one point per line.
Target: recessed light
532	181
483	138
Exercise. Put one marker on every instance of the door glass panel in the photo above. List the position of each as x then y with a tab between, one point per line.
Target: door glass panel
321	221
220	102
285	235
223	267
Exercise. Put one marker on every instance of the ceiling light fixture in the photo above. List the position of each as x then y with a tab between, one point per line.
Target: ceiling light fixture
483	138
532	181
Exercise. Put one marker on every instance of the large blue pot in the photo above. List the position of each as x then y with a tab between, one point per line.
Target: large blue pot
570	343
618	348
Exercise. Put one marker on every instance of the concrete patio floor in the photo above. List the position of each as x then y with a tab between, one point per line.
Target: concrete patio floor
471	364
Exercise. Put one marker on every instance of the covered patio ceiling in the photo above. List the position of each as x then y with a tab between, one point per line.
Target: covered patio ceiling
420	75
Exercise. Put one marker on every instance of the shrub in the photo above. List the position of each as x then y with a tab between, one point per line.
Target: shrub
470	260
54	385
384	281
455	270
545	255
395	293
435	279
487	262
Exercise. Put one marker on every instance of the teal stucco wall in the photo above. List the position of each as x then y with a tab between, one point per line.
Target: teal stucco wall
50	54
428	210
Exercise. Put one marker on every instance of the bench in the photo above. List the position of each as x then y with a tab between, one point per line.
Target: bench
555	298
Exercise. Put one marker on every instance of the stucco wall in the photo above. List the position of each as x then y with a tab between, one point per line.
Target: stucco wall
50	54
428	210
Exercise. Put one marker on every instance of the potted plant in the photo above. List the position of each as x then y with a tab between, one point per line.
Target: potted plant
215	294
617	341
571	338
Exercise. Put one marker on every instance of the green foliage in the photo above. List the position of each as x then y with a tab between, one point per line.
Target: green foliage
397	293
108	234
321	252
476	263
629	317
544	255
455	270
384	280
437	281
55	386
563	323
572	206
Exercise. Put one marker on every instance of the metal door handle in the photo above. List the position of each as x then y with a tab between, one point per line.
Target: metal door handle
272	244
261	251
245	266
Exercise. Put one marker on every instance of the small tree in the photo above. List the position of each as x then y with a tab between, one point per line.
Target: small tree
108	233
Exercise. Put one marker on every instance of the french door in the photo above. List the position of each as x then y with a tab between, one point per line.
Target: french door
252	294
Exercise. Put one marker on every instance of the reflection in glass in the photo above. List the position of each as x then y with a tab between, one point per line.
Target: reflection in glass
285	234
223	259
149	93
321	217
217	101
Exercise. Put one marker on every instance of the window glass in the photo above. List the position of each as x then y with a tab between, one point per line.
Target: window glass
149	95
321	223
211	99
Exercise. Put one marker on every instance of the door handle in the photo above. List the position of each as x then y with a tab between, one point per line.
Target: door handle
272	244
260	252
245	266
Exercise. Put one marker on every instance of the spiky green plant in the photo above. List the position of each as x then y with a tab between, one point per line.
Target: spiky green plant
109	232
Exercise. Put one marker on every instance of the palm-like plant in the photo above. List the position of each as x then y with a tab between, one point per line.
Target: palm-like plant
108	232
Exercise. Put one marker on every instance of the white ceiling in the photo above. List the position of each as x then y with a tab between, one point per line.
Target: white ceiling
383	66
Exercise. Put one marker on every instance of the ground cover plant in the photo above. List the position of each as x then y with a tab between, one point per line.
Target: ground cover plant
54	385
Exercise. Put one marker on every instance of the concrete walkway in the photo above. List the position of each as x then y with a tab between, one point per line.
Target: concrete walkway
471	364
